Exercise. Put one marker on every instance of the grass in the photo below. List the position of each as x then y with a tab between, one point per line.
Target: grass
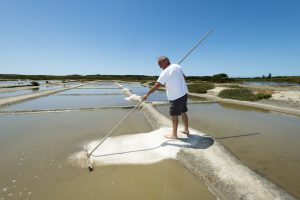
263	96
243	94
288	79
200	87
233	86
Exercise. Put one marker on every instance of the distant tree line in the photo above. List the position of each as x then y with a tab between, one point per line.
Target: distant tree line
217	78
270	78
79	77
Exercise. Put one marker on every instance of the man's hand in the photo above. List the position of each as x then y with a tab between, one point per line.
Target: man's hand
153	88
145	97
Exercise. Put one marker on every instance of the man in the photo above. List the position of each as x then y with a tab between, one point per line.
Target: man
172	76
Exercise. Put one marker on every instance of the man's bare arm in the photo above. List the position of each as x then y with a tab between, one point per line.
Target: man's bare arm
152	89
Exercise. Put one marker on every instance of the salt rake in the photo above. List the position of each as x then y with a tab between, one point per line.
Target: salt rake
88	154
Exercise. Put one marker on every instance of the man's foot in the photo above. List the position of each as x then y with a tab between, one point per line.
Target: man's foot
171	136
185	132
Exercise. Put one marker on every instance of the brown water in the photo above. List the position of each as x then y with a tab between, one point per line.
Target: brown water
267	142
71	102
86	91
34	151
165	180
15	93
102	84
27	91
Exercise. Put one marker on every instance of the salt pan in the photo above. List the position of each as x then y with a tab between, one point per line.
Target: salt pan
142	148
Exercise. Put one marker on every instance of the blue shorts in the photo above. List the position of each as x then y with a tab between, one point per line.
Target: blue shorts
178	106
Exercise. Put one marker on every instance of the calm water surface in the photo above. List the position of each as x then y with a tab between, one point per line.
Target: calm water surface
267	142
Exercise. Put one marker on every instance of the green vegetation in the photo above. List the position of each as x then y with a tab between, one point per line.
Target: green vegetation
243	94
143	82
35	89
269	75
233	86
270	78
200	87
263	96
79	77
34	83
220	78
217	78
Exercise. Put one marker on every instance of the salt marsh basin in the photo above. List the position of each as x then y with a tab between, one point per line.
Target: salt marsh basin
39	146
41	135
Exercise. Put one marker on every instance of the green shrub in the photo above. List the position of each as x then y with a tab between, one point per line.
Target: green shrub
241	94
220	78
263	96
233	86
35	89
200	87
35	83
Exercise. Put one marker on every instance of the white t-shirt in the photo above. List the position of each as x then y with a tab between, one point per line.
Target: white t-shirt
173	78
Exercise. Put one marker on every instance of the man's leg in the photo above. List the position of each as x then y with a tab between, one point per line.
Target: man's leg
173	135
185	121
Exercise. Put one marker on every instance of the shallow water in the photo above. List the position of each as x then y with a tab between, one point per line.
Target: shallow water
35	151
267	142
52	87
16	82
71	102
91	91
141	90
28	91
102	84
15	93
26	82
37	167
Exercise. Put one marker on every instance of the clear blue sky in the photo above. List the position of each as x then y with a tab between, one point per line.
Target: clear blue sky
250	38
